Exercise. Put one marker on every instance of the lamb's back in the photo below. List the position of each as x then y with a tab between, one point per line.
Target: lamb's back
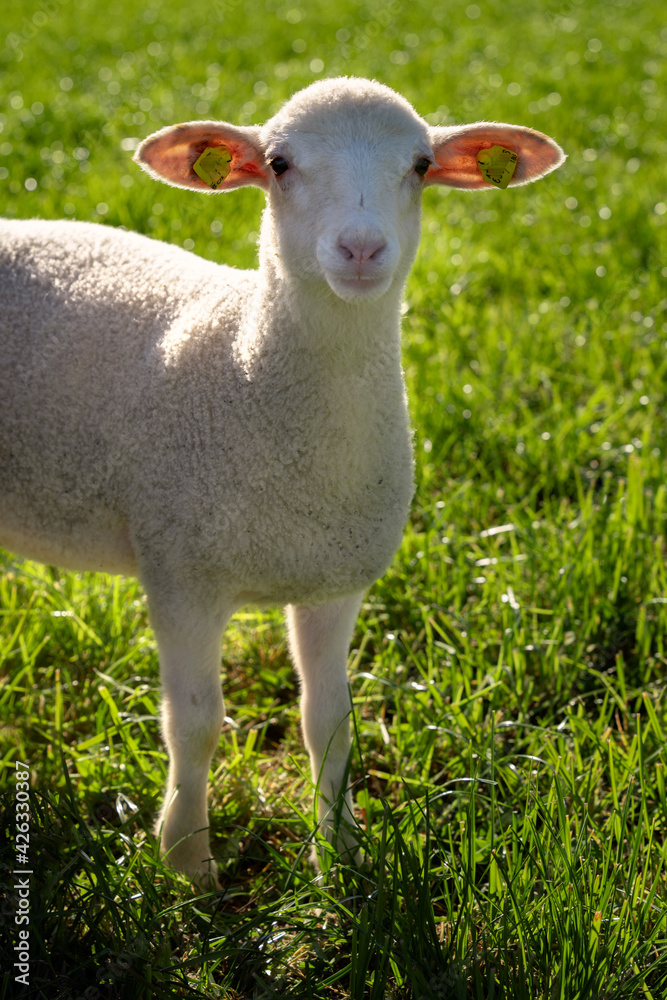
55	275
84	313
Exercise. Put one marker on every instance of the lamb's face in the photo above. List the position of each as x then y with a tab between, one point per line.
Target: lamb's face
345	187
343	164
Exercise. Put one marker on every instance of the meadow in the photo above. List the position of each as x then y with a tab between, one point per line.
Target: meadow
508	673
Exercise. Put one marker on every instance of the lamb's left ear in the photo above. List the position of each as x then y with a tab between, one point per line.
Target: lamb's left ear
455	151
205	156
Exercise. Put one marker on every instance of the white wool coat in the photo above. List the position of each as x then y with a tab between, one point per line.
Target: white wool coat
161	411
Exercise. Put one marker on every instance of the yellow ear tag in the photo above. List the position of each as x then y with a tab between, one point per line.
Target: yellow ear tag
213	165
497	165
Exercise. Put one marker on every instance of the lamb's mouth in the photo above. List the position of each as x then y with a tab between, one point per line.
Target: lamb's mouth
358	287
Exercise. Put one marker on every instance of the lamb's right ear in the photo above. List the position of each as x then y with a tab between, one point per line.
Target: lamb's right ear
237	157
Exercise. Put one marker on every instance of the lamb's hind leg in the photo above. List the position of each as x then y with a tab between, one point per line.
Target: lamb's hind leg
319	640
192	714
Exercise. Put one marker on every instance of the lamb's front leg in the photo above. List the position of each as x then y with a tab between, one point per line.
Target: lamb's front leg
192	715
319	640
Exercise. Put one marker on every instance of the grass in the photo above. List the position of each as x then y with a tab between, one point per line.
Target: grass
508	673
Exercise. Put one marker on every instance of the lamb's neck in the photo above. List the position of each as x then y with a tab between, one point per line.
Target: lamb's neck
304	320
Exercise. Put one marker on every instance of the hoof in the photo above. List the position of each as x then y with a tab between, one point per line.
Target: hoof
196	863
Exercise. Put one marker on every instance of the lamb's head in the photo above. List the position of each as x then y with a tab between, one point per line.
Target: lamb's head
349	159
343	163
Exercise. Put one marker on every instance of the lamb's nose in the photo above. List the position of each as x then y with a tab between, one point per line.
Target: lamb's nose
361	250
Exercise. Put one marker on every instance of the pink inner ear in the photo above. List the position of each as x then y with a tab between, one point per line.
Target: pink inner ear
170	155
456	154
459	167
175	161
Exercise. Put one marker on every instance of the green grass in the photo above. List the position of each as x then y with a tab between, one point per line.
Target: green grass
508	673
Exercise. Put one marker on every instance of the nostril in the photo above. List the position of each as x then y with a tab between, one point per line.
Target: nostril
361	251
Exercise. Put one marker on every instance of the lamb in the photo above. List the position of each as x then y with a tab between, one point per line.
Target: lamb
229	436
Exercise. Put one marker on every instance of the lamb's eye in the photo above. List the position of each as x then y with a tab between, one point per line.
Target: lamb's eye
422	165
279	165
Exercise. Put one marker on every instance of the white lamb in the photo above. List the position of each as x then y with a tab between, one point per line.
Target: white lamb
229	436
